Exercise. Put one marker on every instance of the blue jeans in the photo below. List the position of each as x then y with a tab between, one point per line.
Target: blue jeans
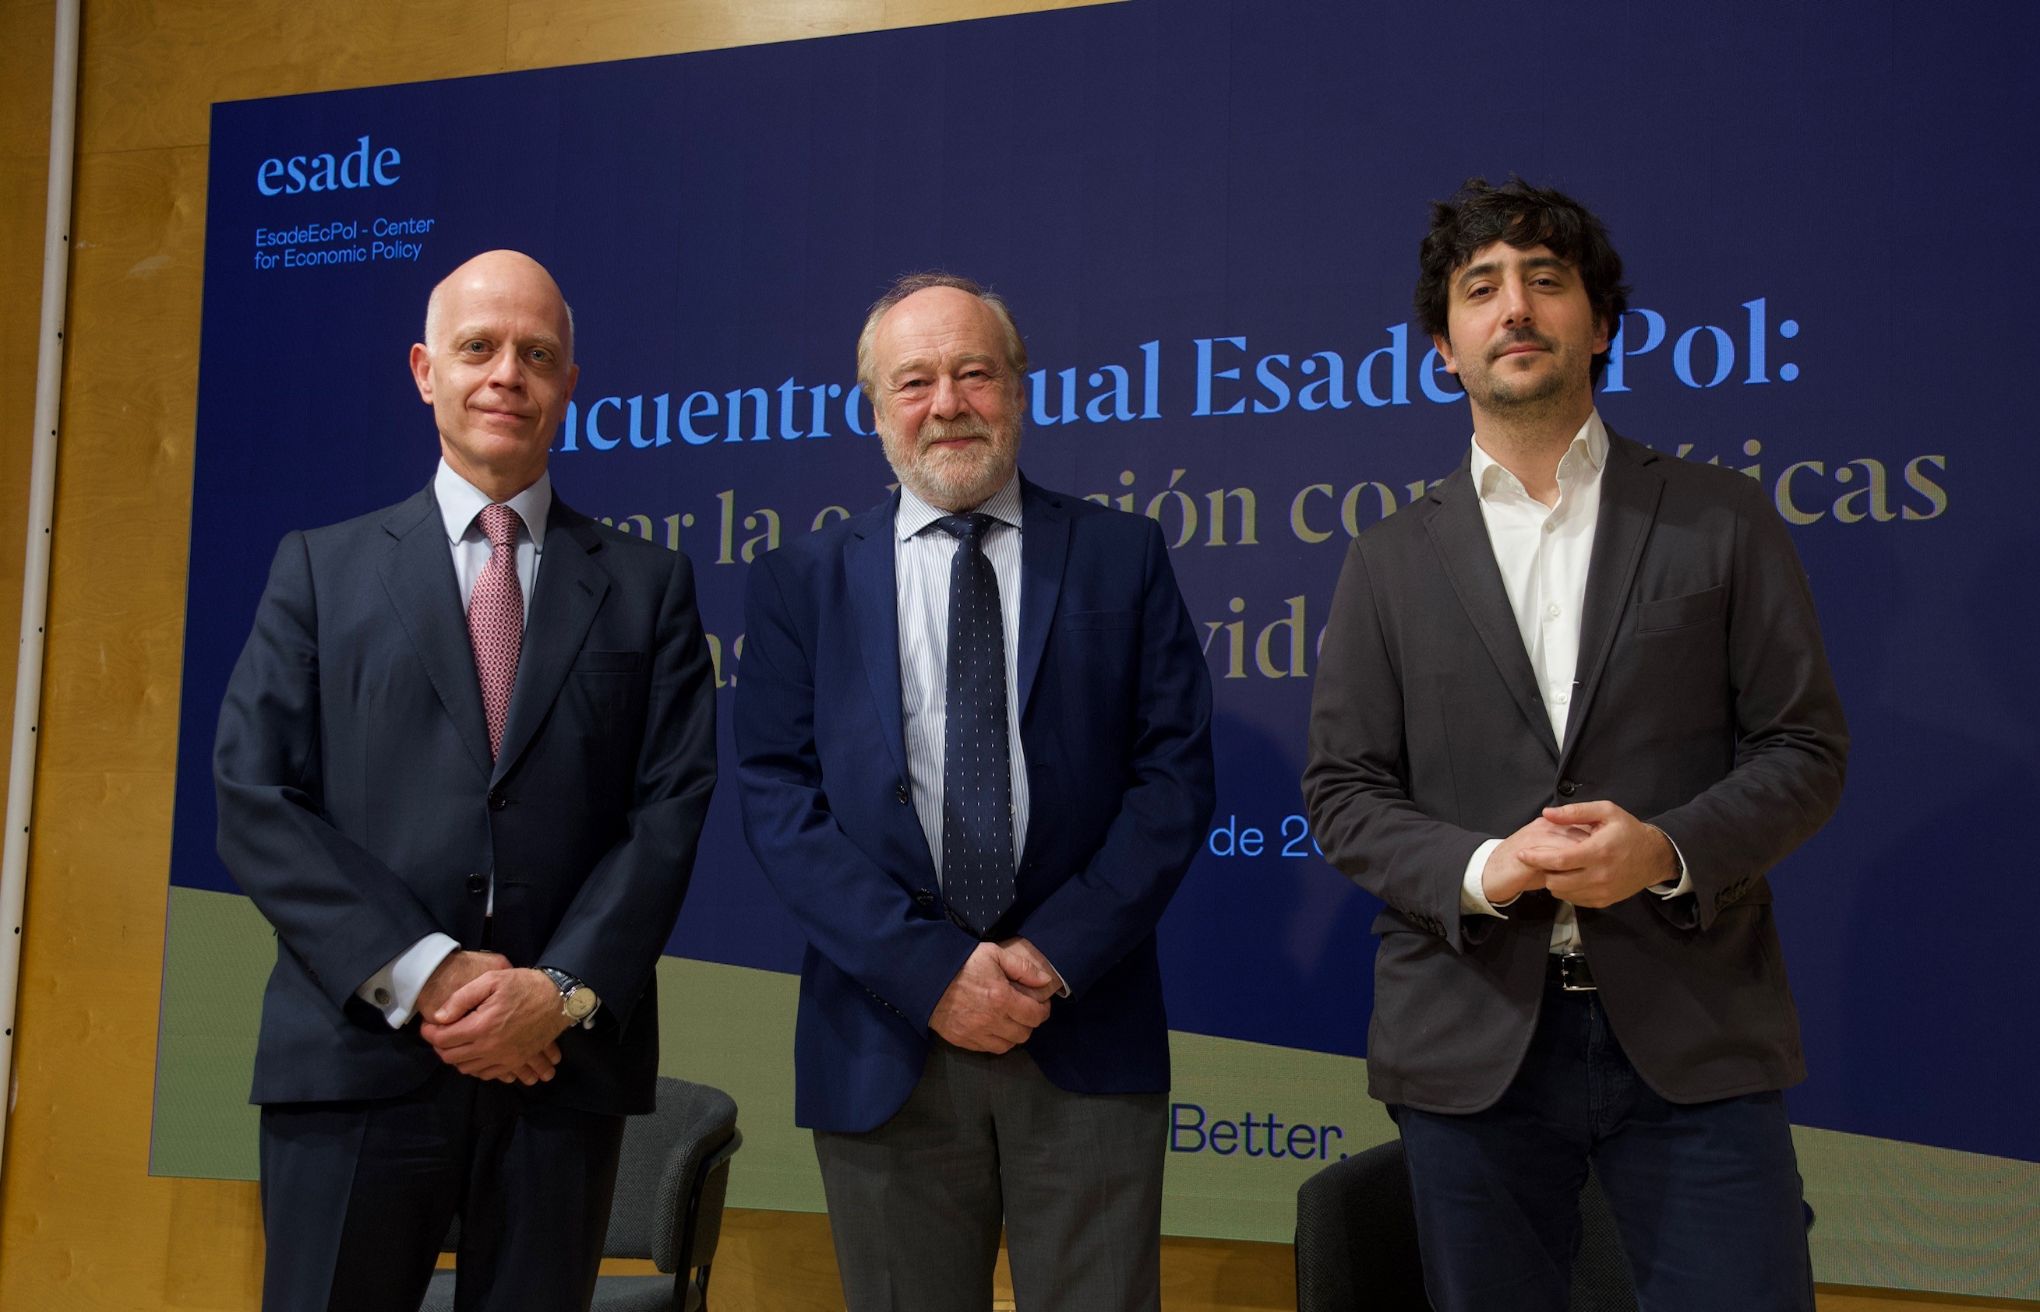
1706	1196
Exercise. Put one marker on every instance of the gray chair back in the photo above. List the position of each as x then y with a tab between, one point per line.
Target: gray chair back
672	1176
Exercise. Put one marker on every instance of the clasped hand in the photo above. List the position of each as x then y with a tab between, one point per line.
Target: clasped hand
1590	854
998	999
491	1020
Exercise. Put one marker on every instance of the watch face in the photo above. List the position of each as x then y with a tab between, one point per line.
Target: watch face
580	1004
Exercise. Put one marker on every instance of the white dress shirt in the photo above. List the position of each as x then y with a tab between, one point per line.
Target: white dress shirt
922	554
394	989
1543	553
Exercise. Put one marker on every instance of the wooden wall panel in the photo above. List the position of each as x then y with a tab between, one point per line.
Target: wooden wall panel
81	1224
544	33
153	68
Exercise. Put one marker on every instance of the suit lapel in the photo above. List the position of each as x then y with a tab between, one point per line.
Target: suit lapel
1044	547
417	573
1630	489
1461	538
569	591
874	605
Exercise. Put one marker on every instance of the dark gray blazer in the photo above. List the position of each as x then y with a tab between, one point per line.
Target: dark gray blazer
1704	705
359	808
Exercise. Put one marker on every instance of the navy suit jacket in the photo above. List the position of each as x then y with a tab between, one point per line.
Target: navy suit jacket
1115	713
360	810
1702	704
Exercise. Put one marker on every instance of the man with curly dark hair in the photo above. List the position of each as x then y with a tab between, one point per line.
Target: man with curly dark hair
1573	705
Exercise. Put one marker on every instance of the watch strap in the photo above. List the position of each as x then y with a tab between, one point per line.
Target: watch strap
568	986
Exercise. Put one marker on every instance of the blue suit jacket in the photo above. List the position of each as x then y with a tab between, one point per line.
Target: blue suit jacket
359	808
1115	714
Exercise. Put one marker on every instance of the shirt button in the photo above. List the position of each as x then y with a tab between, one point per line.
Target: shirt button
1561	697
1550	527
382	997
1551	612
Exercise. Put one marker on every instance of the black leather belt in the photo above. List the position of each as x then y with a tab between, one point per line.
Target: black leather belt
1570	971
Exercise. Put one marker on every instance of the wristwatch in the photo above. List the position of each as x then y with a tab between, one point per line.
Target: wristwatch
578	1002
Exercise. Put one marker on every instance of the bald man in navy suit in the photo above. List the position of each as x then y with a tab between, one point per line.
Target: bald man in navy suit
462	767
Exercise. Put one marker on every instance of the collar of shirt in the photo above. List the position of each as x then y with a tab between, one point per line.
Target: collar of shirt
914	514
1586	455
461	501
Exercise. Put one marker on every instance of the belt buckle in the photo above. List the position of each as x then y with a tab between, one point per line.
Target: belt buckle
1574	974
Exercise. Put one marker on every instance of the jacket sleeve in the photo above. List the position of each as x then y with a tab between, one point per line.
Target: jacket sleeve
852	912
339	909
617	925
1791	741
1102	911
1355	779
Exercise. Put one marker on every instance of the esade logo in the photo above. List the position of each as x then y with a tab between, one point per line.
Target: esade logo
364	166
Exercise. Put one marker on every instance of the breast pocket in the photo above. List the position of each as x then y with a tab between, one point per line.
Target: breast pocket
608	662
1684	612
1101	621
1676	660
1095	679
611	684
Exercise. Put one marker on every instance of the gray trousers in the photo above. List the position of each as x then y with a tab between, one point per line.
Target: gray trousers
916	1204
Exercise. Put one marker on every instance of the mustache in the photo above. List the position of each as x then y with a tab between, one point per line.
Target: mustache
949	430
1520	337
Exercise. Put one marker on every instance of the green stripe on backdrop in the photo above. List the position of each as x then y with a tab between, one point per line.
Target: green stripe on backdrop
1248	1122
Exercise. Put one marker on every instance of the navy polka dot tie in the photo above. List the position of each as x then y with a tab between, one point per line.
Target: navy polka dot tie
977	783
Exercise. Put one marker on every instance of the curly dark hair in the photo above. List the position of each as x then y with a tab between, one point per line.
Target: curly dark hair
1523	216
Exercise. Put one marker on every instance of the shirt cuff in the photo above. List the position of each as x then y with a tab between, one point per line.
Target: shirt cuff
1062	988
394	989
1685	881
1472	899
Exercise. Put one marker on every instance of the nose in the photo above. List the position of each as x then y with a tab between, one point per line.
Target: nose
948	399
1515	303
506	370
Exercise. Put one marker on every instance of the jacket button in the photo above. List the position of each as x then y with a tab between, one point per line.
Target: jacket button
903	794
1567	787
497	801
477	885
922	897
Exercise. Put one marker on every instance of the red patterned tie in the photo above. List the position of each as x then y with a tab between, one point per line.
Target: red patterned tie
496	620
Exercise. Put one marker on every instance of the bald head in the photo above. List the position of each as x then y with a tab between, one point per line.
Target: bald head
913	284
497	368
491	270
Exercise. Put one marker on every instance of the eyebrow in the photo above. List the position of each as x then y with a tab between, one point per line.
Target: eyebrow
921	364
1486	267
470	332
